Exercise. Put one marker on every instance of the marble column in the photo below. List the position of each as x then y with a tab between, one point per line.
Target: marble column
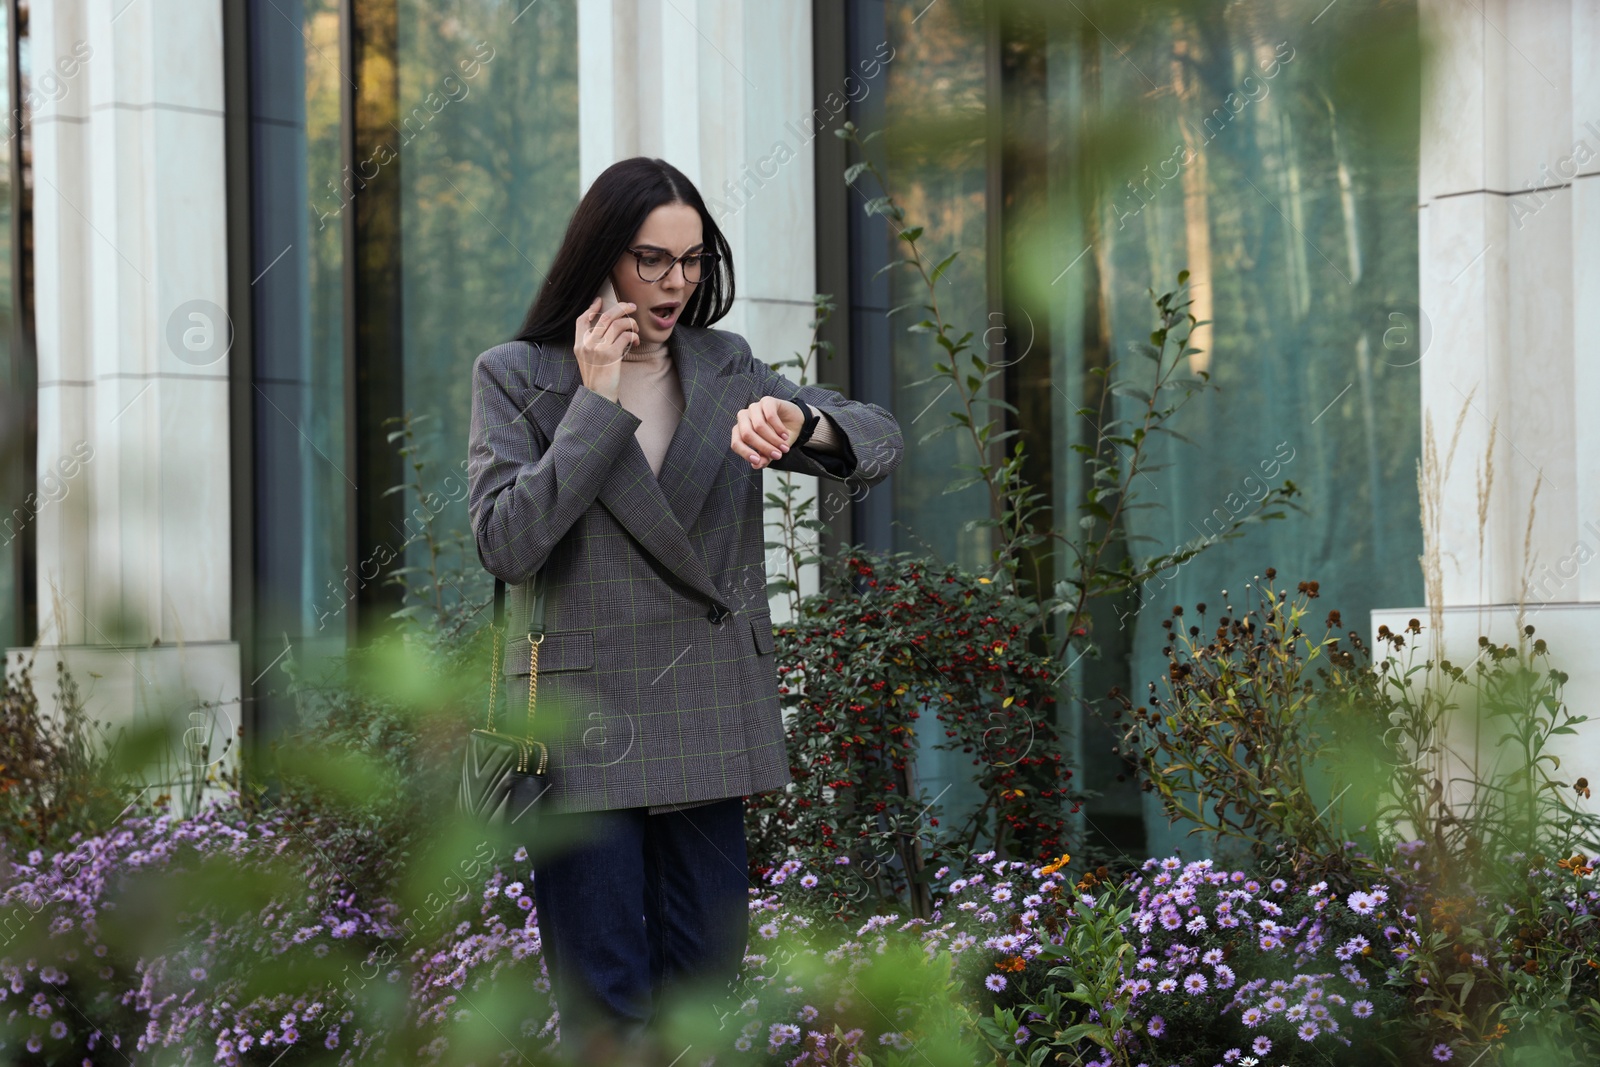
133	340
1509	260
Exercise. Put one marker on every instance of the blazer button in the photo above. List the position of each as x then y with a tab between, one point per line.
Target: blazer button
717	615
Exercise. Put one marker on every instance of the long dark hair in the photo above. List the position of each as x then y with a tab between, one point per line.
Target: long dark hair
602	228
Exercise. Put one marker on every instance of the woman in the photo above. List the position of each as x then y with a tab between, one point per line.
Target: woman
617	455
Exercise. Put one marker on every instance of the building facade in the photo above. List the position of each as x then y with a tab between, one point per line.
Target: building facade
243	238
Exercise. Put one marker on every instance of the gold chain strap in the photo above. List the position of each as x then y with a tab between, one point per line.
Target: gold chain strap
533	692
494	675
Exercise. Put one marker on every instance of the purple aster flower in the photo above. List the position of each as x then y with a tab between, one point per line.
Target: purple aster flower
808	881
1156	1026
1195	984
1279	885
1442	1052
1252	1017
1361	1009
995	982
1308	1031
1275	1004
1261	1045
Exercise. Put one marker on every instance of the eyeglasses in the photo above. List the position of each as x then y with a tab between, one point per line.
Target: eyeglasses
653	264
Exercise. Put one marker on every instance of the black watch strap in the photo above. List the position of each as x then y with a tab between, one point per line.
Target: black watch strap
808	427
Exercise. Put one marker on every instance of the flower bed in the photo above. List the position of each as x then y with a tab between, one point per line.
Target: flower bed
1202	965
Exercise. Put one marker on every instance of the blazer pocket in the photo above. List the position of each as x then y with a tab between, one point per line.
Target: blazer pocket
564	650
761	630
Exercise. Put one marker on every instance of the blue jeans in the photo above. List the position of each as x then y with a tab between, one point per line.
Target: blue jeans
636	905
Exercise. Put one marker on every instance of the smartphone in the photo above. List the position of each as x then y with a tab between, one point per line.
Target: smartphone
608	300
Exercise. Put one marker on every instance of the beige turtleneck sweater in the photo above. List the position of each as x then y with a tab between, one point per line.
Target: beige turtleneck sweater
650	390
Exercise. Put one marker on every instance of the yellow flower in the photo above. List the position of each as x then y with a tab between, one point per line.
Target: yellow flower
983	581
1058	864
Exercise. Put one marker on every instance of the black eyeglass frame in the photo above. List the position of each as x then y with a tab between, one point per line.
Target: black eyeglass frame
707	260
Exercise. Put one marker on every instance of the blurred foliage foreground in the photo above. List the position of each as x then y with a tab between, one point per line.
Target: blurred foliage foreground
1439	911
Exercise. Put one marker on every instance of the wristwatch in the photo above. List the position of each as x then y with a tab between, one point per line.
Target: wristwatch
812	416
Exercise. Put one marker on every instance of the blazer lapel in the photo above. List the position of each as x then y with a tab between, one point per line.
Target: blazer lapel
712	400
631	492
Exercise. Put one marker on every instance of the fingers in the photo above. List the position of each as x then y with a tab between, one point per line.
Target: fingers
759	436
602	336
615	312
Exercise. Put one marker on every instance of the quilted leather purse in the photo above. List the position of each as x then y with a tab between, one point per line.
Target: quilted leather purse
503	774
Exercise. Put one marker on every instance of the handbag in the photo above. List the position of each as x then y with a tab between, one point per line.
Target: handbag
503	774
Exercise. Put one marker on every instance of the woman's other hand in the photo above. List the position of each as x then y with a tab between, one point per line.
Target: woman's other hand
600	341
764	430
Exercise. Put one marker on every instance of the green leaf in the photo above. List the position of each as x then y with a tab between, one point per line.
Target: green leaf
1126	388
854	171
944	265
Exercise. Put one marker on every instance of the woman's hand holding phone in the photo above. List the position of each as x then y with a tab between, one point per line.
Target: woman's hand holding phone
602	336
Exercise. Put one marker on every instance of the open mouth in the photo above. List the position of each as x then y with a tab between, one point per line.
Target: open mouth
664	315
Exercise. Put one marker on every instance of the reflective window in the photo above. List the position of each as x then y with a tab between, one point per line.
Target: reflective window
488	139
1261	173
300	197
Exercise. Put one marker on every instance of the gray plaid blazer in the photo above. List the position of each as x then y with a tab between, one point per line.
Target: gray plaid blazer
657	683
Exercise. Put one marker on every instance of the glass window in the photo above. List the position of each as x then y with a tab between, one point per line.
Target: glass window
488	141
300	196
941	183
1295	218
1297	225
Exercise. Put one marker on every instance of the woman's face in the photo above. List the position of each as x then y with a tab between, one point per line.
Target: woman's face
671	229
